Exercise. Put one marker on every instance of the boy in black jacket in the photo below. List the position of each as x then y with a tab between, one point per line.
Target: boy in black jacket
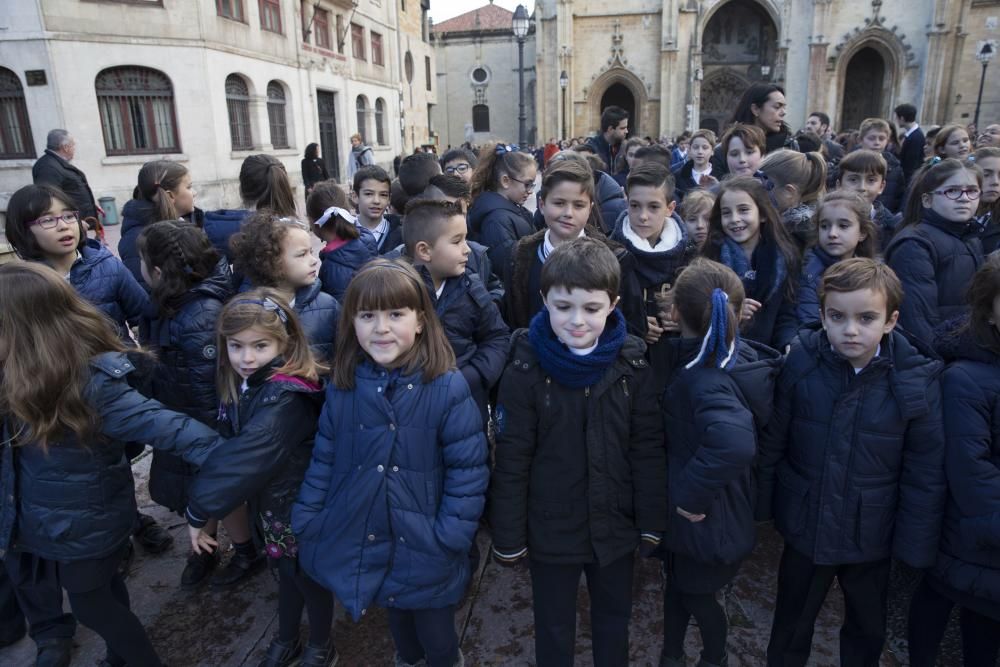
851	464
864	172
580	456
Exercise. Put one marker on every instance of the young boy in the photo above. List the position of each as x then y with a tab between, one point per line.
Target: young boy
371	197
661	246
435	234
874	136
864	171
851	464
580	457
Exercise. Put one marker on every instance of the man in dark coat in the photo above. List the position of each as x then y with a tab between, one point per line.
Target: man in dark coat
54	168
911	151
608	141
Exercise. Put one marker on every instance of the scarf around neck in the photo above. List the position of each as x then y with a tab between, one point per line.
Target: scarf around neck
571	370
764	281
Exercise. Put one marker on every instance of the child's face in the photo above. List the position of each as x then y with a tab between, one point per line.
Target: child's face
183	196
875	140
300	265
955	210
517	188
648	211
869	185
630	155
251	350
958	145
855	323
387	335
372	198
991	179
449	254
701	152
740	217
578	316
697	224
839	231
742	161
566	209
459	167
57	237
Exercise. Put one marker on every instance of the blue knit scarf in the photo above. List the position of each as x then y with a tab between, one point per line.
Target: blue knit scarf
571	370
763	282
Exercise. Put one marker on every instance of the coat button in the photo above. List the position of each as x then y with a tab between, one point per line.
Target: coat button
380	468
371	537
392	599
402	539
379	390
364	611
118	371
395	468
409	386
392	427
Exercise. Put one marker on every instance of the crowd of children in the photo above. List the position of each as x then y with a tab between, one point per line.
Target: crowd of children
730	344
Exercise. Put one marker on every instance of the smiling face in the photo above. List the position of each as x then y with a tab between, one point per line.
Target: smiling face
648	211
566	209
372	199
300	265
869	185
771	115
700	153
578	316
855	323
955	210
742	161
740	218
251	350
991	179
387	335
839	231
63	238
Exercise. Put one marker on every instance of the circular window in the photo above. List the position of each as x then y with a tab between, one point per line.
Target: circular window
480	75
408	66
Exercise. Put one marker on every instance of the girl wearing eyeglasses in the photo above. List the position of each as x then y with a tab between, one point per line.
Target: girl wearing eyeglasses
936	251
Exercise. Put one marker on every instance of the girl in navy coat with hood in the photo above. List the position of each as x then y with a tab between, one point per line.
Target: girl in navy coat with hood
349	246
391	501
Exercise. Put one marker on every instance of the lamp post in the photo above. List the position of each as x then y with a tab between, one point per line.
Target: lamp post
519	25
563	84
984	54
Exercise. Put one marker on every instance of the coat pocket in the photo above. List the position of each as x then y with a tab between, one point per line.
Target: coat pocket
876	516
791	502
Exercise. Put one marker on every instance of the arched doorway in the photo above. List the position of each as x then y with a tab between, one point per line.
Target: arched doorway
618	95
864	88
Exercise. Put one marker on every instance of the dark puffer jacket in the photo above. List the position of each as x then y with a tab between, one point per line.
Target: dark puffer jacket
391	501
852	465
610	200
935	262
575	490
137	214
895	183
498	223
76	501
318	312
339	263
712	418
53	169
103	280
814	265
220	225
186	349
478	263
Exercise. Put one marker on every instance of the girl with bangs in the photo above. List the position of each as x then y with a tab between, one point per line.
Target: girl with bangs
391	501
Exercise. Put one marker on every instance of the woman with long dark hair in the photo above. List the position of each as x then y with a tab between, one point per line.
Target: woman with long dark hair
313	168
763	105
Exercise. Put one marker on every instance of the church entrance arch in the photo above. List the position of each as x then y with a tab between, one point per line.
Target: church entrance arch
618	95
864	85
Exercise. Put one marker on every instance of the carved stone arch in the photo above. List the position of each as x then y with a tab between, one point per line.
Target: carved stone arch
895	54
710	7
624	77
718	91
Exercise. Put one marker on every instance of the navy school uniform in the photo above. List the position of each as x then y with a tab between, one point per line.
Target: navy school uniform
498	223
478	263
340	260
814	265
318	314
102	279
221	224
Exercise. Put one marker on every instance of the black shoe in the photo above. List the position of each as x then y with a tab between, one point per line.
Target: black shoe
280	654
153	537
125	566
319	657
198	567
14	635
238	568
54	652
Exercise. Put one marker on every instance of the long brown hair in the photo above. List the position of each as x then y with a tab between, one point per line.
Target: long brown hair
385	284
264	183
183	254
495	161
156	178
50	334
805	171
983	292
694	295
929	178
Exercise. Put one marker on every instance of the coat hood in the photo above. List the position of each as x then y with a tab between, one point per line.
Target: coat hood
226	215
607	189
218	285
137	213
487	202
353	254
954	342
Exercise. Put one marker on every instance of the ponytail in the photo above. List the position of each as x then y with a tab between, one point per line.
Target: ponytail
806	171
705	281
496	160
156	179
264	184
816	183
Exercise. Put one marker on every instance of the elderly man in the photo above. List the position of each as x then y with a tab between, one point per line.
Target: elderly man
54	169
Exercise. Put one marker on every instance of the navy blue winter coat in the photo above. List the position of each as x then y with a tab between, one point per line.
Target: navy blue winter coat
220	225
498	223
935	262
610	199
76	501
102	279
318	312
712	419
339	264
478	263
895	183
136	215
814	264
852	465
391	501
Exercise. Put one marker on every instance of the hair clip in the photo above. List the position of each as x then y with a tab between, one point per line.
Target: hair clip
332	211
935	160
506	148
269	305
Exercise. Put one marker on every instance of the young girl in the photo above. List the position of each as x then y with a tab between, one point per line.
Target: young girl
936	251
271	395
743	148
745	233
67	412
716	396
988	215
501	184
697	171
844	229
164	192
799	181
349	246
695	210
189	284
263	184
626	156
952	141
391	501
277	253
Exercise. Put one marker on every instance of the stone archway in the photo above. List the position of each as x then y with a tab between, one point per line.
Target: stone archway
864	88
618	86
719	92
619	95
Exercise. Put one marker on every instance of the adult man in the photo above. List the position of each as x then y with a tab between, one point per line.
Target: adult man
360	156
54	169
990	138
818	123
614	129
911	150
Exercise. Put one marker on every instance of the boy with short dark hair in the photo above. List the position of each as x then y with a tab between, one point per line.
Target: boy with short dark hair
851	464
654	154
572	494
864	171
435	235
371	197
874	135
416	171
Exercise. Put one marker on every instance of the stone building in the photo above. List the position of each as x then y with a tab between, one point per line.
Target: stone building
683	64
207	83
477	58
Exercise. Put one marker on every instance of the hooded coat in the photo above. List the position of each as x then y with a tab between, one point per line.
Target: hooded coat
102	279
498	223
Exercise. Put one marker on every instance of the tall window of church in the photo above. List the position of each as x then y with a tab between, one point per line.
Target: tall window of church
358	41
276	115
231	9
270	15
380	122
15	131
480	118
377	49
238	105
137	111
362	108
321	28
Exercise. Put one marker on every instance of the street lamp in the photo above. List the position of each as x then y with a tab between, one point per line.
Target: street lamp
519	24
984	54
563	84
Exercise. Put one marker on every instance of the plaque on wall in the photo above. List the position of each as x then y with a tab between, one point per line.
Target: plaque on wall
35	77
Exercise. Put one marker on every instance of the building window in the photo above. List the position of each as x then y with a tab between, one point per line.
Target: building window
137	111
480	118
358	41
270	15
380	122
427	71
276	117
362	108
340	34
408	67
321	28
231	9
15	131
238	105
377	49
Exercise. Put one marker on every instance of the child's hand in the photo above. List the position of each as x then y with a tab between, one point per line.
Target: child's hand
707	181
653	330
750	308
693	518
200	540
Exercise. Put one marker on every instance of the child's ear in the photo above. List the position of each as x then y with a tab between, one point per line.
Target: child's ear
615	302
673	314
926	200
890	323
353	196
671	207
504	181
422	252
420	323
882	188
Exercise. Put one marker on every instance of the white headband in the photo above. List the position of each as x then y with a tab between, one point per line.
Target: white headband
332	211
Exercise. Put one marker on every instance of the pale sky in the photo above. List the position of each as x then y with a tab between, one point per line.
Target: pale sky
442	10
